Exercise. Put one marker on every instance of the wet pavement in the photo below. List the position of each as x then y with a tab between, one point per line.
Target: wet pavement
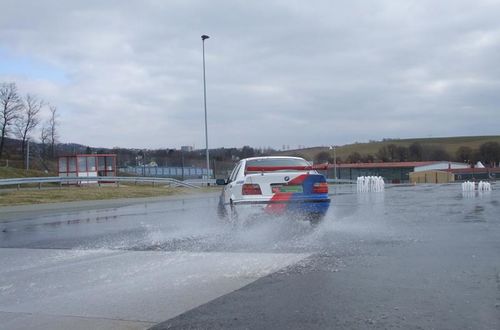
424	256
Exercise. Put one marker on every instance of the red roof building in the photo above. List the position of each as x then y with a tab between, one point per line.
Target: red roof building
395	172
385	165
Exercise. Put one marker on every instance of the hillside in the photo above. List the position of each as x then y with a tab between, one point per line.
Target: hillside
449	144
12	172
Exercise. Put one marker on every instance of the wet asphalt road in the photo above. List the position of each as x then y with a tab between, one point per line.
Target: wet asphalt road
412	257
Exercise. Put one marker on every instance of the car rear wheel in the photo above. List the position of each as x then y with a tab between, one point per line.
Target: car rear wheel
233	215
229	216
221	210
315	219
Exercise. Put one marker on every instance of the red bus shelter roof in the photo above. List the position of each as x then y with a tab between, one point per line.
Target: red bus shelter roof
89	155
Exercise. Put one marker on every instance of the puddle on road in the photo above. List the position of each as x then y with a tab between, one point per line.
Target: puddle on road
373	219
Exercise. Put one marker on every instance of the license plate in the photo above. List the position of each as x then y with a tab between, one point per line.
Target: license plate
288	189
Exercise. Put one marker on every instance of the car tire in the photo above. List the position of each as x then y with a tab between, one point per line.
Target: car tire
233	215
315	219
221	210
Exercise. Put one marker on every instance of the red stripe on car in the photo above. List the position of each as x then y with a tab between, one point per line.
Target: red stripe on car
275	206
298	180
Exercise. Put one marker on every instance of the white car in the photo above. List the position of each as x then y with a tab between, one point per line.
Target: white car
275	185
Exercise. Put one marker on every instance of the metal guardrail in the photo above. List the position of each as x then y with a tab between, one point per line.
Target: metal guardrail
201	182
98	179
190	183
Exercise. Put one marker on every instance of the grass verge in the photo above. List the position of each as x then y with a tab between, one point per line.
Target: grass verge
73	193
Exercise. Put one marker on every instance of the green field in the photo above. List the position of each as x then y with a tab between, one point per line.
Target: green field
449	144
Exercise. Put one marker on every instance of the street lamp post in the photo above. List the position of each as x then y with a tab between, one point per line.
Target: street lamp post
144	163
203	38
334	162
182	159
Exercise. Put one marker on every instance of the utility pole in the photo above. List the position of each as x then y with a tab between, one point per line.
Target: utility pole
203	38
182	159
27	155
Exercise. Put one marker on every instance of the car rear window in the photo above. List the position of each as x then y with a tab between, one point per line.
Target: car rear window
274	162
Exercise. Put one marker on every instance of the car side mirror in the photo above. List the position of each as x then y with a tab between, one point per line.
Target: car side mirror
221	182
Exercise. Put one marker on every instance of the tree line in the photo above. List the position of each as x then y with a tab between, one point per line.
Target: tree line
176	157
488	153
21	117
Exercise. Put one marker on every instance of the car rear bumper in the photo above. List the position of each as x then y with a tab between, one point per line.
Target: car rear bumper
305	207
267	202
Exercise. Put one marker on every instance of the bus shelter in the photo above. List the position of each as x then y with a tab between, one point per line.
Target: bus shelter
87	166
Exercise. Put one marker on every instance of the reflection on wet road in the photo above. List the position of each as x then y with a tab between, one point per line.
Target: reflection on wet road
192	224
433	242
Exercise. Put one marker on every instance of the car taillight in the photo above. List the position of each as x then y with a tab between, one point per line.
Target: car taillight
320	188
251	189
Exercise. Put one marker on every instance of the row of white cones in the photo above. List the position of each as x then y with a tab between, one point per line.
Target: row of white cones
376	184
370	183
471	186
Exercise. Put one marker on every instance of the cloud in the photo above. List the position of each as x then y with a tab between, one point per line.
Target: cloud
278	72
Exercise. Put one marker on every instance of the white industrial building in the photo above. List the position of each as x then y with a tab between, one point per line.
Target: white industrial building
441	166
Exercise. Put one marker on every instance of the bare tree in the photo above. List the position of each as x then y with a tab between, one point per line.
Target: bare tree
10	104
52	130
28	120
44	139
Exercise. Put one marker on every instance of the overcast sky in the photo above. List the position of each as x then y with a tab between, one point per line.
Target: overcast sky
129	73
